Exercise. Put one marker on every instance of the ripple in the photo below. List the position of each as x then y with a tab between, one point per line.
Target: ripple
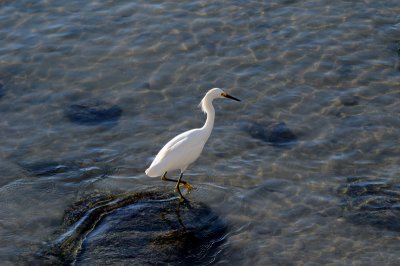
328	70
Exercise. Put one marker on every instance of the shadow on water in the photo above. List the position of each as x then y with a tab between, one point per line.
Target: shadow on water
140	228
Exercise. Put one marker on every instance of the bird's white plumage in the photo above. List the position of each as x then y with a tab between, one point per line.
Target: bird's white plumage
178	153
185	148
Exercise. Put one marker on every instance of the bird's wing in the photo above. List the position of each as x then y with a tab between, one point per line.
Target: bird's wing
168	147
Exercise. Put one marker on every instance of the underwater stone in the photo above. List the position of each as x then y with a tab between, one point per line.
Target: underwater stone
93	113
372	202
397	48
345	70
2	90
350	100
45	168
71	169
276	134
138	229
145	85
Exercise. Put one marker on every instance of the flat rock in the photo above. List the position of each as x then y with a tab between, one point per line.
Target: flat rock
372	202
137	229
93	113
276	133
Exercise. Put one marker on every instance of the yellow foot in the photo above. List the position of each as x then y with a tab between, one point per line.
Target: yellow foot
187	186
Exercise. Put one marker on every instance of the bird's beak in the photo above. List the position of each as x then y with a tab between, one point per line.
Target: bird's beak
230	97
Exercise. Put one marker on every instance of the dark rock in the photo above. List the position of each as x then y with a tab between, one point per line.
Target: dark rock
280	134
372	202
276	134
151	228
93	113
397	48
350	100
145	85
2	90
369	187
345	70
46	168
73	170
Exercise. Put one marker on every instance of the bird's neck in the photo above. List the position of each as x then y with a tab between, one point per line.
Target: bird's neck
208	125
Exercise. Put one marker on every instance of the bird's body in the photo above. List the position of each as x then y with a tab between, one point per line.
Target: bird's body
185	148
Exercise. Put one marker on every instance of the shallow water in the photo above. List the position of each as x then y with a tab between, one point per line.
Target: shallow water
328	70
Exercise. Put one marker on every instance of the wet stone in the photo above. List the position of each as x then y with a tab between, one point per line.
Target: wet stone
138	229
371	202
93	113
276	134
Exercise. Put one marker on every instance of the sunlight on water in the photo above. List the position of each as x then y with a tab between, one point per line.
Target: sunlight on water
304	170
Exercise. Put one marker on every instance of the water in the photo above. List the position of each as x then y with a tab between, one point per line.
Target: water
328	70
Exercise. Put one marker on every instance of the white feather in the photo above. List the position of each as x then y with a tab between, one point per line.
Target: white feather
185	148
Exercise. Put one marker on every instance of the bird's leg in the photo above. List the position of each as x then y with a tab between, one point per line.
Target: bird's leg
164	176
177	186
186	184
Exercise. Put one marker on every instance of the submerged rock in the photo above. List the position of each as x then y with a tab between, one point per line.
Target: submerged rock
345	70
349	100
93	113
397	48
69	169
138	229
47	168
2	90
372	202
276	134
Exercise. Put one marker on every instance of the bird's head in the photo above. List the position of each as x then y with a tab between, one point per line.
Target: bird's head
219	93
214	94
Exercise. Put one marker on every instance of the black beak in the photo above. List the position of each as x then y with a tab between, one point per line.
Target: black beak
231	97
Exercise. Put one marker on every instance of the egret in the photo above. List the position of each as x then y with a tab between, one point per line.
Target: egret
185	148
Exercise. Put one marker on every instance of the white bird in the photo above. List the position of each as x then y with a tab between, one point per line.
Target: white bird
185	148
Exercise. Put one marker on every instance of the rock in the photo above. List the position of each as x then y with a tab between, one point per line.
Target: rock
93	113
397	48
71	169
276	134
345	70
2	90
46	168
145	85
372	202
349	100
138	229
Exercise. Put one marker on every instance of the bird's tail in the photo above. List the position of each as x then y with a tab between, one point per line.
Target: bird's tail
151	172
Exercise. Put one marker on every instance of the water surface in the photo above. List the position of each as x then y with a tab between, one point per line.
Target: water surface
328	70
